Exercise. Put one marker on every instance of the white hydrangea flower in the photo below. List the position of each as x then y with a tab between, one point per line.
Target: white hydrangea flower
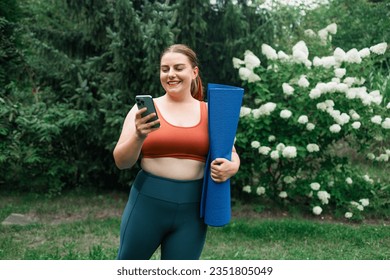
289	152
353	56
244	73
317	61
386	123
237	63
388	106
323	34
335	128
383	157
357	205
311	148
253	78
376	97
310	33
267	109
349	181
324	196
303	119
288	179
364	201
315	186
285	114
303	82
339	55
317	210
371	156
376	119
310	126
332	28
251	60
247	189
328	61
354	203
356	125
255	144
341	87
349	81
275	155
264	150
283	194
301	48
355	116
260	190
271	138
245	111
322	106
269	52
360	81
352	93
256	113
337	81
364	52
340	72
315	93
348	215
280	147
283	56
368	179
379	48
329	103
342	118
287	89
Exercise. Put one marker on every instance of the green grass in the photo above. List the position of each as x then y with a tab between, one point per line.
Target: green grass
86	226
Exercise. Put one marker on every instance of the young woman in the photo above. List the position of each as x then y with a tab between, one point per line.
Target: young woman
164	201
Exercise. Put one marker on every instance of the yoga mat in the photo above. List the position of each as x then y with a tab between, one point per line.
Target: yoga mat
224	105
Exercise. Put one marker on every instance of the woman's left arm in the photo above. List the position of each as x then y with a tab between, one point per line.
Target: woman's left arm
222	169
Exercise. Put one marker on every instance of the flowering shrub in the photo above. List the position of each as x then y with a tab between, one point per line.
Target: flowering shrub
297	108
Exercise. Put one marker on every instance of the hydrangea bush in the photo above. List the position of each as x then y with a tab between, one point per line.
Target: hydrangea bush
298	106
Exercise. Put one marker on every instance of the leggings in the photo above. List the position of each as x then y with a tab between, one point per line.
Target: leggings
162	212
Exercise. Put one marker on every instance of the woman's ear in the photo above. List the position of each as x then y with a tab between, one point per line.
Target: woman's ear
195	71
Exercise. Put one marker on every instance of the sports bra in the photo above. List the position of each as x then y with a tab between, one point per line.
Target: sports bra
178	141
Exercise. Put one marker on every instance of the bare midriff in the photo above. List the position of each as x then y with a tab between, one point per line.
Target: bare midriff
174	168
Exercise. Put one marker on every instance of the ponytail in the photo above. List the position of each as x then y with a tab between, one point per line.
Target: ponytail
197	88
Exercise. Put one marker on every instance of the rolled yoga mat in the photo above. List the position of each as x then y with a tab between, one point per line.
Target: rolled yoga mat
224	105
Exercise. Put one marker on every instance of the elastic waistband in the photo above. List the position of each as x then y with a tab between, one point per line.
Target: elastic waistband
177	191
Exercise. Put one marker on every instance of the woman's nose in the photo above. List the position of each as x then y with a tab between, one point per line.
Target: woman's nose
171	73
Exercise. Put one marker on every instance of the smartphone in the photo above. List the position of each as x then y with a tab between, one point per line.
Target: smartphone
146	101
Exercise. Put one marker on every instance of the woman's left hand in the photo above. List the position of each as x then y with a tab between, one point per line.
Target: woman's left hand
222	169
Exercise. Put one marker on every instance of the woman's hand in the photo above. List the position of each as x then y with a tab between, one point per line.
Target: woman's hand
142	125
222	169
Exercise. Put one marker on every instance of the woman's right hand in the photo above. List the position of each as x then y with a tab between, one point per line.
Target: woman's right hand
142	125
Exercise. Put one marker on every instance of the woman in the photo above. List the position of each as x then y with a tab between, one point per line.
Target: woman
163	206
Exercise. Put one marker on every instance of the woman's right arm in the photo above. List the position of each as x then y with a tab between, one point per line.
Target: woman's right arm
134	131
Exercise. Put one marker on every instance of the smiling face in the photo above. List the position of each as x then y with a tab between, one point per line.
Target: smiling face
177	73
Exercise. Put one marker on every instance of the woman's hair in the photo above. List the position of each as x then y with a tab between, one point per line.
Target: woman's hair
196	85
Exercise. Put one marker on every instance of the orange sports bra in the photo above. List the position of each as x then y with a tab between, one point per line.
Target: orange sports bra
178	141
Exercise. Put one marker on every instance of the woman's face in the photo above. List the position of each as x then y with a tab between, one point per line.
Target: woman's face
176	73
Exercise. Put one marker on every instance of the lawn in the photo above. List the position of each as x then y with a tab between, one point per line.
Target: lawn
86	226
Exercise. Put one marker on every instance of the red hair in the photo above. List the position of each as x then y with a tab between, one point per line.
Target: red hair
196	85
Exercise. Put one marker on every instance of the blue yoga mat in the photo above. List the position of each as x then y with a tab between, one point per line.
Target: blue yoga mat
224	104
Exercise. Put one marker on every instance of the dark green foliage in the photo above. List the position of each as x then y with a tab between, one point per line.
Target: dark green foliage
69	71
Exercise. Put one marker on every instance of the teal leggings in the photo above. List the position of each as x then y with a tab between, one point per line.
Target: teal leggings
164	212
